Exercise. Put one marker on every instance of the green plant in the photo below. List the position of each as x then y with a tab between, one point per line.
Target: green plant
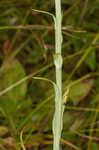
59	109
30	38
57	121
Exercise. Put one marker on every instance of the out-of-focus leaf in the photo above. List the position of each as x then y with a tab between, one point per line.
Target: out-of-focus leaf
3	130
8	105
68	2
94	146
97	85
13	73
80	91
91	60
71	122
90	26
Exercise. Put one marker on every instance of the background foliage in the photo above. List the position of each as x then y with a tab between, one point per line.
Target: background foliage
27	49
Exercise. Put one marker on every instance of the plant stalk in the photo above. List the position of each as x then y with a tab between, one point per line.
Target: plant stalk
57	121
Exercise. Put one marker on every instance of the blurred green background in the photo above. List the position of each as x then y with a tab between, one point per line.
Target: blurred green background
27	47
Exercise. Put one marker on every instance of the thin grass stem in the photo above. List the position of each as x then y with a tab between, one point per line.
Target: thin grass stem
57	121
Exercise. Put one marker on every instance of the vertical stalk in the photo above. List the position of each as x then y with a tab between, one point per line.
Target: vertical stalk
57	122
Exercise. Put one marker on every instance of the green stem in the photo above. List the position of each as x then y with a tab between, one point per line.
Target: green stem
57	122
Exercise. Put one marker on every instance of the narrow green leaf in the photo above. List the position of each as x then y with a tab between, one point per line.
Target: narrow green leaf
91	60
45	12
